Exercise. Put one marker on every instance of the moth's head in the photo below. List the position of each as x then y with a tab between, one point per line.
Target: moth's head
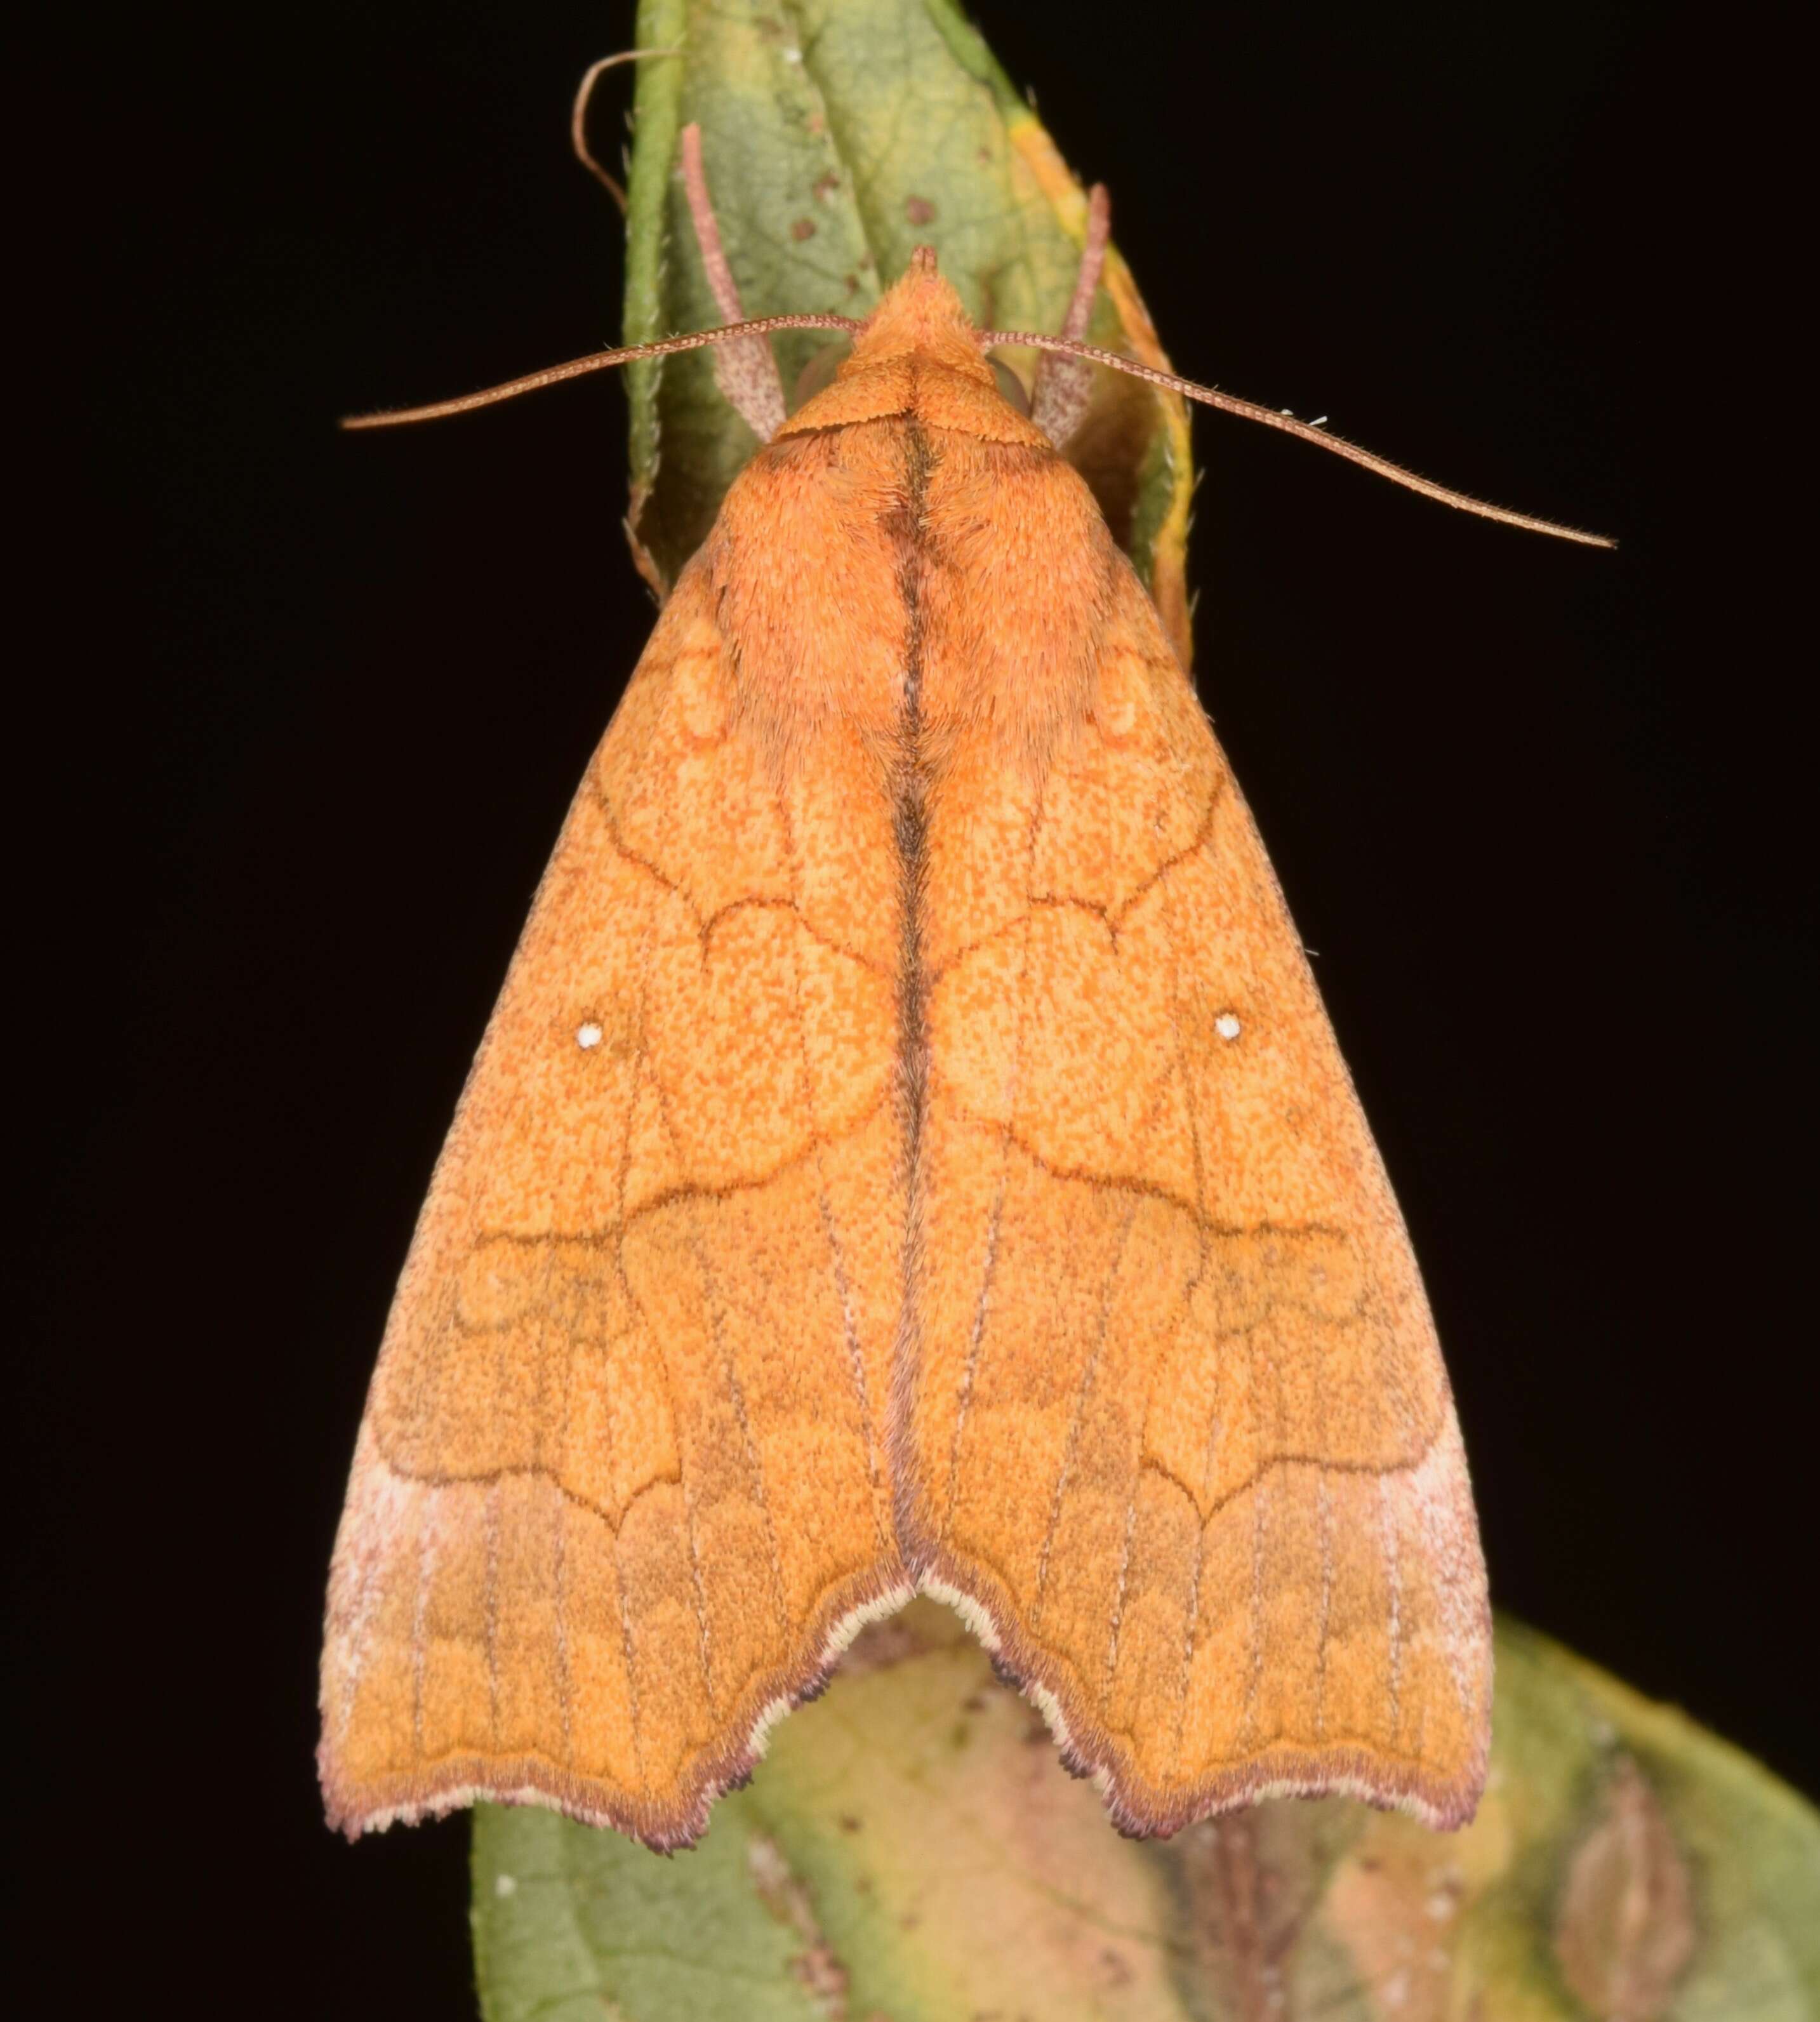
921	316
918	352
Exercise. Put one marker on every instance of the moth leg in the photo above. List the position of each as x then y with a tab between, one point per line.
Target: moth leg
1059	400
744	370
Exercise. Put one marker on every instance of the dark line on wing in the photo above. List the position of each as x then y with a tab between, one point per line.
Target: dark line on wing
1370	1469
1113	918
791	907
908	789
705	923
612	1232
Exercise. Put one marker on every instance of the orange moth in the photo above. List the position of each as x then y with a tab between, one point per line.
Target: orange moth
908	1154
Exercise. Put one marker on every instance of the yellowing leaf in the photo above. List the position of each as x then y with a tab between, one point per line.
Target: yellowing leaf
912	1849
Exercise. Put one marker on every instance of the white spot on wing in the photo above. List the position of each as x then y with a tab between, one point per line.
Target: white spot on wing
587	1036
1227	1026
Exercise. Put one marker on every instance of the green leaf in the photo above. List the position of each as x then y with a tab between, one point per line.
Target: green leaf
912	1849
838	135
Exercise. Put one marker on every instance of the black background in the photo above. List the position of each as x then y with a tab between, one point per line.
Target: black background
313	707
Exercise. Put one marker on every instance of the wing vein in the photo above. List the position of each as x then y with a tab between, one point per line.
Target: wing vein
494	1492
1387	1516
736	1391
1070	1448
837	1257
970	1370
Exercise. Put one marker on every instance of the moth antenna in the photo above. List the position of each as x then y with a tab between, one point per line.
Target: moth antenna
599	361
1250	411
746	372
578	116
1064	382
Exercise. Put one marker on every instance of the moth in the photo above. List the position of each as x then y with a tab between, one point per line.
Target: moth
909	1154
